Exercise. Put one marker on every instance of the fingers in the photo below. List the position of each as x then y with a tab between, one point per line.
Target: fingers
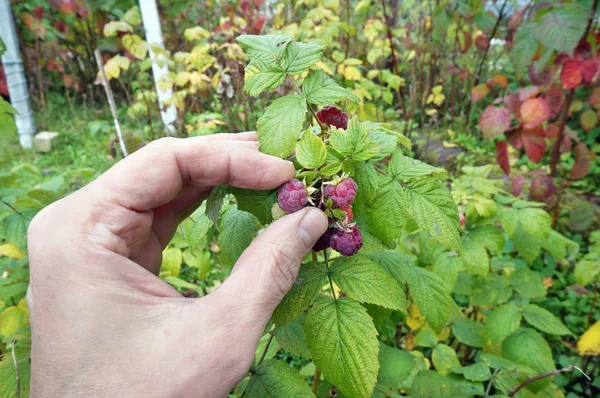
156	173
267	269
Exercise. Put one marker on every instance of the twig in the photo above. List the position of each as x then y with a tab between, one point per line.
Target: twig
316	380
264	354
542	376
111	101
14	357
561	133
489	44
10	206
387	394
329	274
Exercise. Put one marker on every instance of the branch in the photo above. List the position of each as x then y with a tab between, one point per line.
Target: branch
487	48
542	376
316	380
564	116
14	342
329	274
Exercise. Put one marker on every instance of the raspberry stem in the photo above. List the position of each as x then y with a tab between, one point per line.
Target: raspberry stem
308	105
329	274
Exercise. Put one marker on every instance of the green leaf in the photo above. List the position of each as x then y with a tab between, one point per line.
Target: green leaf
536	222
320	89
476	372
475	258
8	373
544	320
365	176
387	215
274	378
430	384
307	285
264	47
425	338
444	359
493	290
529	284
496	362
8	126
469	332
558	245
447	265
587	269
402	168
13	227
354	143
501	322
311	151
343	344
279	128
133	16
561	28
387	142
299	57
524	48
510	220
489	236
199	228
260	76
237	231
214	203
528	348
434	210
258	203
291	337
395	366
172	258
367	282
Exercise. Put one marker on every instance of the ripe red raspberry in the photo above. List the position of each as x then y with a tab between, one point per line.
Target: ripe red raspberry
343	193
348	210
292	196
333	116
323	242
346	243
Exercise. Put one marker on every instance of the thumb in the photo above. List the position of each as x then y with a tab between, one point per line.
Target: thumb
266	271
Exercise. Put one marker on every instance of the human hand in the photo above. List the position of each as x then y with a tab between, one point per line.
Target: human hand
104	324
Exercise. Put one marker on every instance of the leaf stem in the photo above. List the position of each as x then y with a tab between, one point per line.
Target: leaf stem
491	382
316	380
387	394
307	105
329	274
14	357
10	206
544	375
264	354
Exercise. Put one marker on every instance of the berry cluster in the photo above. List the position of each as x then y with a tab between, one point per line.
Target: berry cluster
333	117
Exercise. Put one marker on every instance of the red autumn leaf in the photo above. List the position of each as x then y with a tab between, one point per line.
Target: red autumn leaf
3	85
464	40
571	73
588	119
554	96
517	182
502	156
552	131
464	74
583	160
481	41
38	12
68	81
533	140
479	91
534	112
60	26
500	80
589	70
516	19
67	6
83	11
513	103
494	121
528	92
544	76
594	99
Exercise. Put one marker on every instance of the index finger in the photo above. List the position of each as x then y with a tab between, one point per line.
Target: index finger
155	174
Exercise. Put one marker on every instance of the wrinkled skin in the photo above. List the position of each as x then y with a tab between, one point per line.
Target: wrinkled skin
103	323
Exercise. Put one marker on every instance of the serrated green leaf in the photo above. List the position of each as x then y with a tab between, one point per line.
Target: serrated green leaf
260	76
562	27
387	215
489	236
387	143
469	332
447	265
311	151
496	362
510	220
264	47
279	128
528	283
354	143
501	322
524	49
274	378
535	222
544	320
430	384
13	228
587	269
466	387
8	126
343	344
237	231
214	203
402	167
299	57
330	169
367	282
425	338
444	359
559	246
528	246
434	210
258	203
395	366
475	258
307	285
291	337
320	89
476	372
528	348
199	228
493	290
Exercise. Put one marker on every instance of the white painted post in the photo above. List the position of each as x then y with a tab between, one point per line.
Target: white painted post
151	21
15	76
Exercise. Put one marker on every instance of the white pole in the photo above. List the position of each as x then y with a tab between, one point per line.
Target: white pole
15	76
151	21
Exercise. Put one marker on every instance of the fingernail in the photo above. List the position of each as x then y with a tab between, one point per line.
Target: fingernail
313	225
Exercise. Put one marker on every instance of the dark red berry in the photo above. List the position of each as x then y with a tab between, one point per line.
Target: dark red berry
292	196
348	210
333	117
343	193
346	243
323	242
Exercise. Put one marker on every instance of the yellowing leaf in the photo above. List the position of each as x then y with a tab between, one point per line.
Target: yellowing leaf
14	318
437	90
431	112
171	262
351	73
588	119
589	343
414	320
411	55
196	33
182	78
12	251
576	106
113	66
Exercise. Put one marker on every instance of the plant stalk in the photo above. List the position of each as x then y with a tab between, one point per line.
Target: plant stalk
544	375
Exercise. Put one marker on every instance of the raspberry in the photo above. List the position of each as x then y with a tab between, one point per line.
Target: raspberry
348	210
323	242
346	243
343	193
333	116
292	196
